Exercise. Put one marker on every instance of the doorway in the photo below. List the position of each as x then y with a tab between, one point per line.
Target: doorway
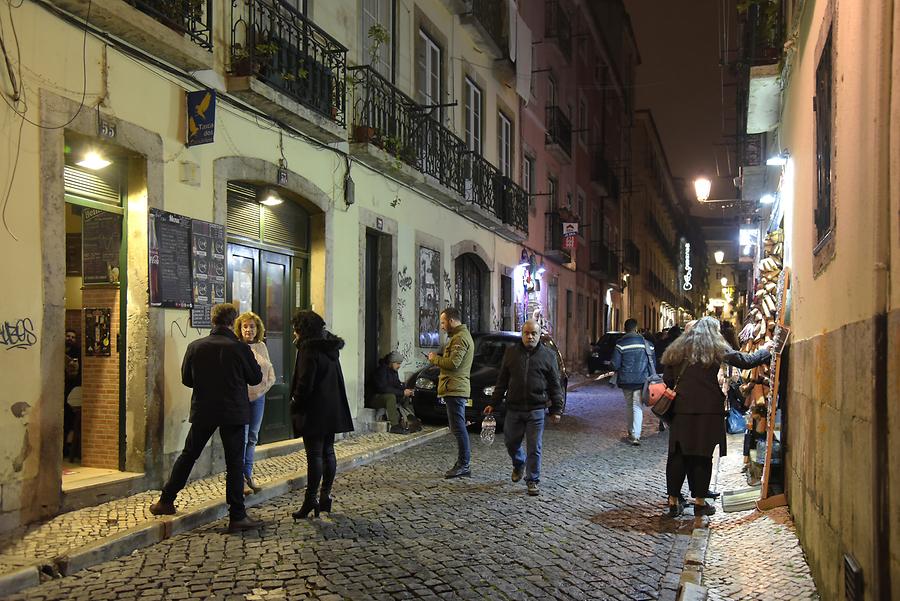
470	290
271	284
96	259
378	305
506	305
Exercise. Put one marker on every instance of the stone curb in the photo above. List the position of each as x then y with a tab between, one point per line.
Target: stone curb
156	531
690	586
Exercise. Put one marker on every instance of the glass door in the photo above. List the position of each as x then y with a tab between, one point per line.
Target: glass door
272	285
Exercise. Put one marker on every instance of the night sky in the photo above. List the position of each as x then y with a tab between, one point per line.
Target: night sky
679	80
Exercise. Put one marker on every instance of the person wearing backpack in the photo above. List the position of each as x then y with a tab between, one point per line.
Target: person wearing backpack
633	360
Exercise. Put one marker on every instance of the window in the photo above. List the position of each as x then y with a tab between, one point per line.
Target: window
822	104
504	126
580	207
551	91
377	12
428	73
528	174
551	193
473	117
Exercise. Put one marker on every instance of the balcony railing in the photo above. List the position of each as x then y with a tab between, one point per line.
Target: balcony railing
490	14
277	44
189	17
558	27
441	154
763	38
513	207
604	261
669	249
480	182
553	236
383	115
631	260
559	129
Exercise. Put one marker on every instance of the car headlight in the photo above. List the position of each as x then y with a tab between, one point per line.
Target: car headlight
424	384
489	391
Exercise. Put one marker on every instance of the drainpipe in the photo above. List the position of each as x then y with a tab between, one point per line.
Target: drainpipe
881	586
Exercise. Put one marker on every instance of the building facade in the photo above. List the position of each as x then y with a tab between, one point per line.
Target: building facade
821	79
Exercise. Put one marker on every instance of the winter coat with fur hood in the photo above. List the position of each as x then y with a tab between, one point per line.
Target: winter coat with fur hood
318	396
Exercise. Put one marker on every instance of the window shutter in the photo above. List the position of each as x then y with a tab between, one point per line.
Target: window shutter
287	225
243	211
92	185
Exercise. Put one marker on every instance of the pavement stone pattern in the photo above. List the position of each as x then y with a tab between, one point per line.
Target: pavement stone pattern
400	531
751	554
46	540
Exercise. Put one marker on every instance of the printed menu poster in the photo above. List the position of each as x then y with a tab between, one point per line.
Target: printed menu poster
208	262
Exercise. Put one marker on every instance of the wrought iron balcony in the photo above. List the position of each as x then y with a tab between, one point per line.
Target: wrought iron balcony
763	34
559	131
480	182
441	154
603	177
189	17
669	249
631	261
558	28
553	237
280	46
383	115
488	18
513	205
604	262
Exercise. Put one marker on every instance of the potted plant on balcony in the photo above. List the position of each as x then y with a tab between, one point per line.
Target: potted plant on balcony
243	62
181	14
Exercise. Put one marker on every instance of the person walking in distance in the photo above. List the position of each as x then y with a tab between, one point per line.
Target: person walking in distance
453	384
218	368
528	383
319	406
633	360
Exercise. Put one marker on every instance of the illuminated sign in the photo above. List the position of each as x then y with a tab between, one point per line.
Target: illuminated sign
688	270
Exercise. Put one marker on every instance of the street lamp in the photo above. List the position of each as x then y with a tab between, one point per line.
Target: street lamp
724	281
702	187
719	256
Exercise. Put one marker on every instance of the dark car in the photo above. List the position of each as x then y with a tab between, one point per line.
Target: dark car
489	349
601	352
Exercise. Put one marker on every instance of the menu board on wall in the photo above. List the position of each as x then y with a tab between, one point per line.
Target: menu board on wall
169	239
97	332
208	262
101	242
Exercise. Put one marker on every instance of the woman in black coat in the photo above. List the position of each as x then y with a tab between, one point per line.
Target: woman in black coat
692	365
319	406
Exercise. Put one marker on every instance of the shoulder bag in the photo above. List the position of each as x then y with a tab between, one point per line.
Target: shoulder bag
654	387
663	407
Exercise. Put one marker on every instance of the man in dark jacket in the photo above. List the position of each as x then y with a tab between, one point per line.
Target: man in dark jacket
528	383
633	361
218	368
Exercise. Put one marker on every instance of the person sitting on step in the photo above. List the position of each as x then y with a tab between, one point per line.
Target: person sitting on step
390	394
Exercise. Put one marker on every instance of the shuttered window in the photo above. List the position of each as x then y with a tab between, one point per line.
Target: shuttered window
102	186
285	225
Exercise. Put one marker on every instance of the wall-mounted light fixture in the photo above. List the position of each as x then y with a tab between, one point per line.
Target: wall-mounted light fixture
270	198
767	199
719	255
94	161
779	160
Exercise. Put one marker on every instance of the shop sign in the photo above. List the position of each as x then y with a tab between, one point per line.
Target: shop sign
688	270
201	112
570	230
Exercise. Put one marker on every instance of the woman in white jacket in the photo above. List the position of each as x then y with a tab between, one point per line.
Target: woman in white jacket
249	328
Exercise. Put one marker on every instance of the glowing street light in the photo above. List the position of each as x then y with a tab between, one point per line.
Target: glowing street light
702	187
719	256
94	161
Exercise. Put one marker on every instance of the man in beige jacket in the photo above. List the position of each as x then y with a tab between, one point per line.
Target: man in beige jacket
453	384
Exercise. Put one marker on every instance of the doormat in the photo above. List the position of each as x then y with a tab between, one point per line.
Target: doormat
741	499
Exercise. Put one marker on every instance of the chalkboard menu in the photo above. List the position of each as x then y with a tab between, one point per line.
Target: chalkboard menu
201	316
208	262
169	239
100	244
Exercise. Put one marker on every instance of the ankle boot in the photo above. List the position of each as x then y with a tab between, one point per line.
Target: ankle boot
310	503
325	500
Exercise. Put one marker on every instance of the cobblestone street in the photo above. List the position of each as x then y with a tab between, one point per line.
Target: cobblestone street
400	531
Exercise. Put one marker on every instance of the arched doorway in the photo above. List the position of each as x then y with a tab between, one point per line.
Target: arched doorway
472	291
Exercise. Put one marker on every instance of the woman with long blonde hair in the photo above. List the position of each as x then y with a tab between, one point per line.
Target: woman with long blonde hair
692	364
250	329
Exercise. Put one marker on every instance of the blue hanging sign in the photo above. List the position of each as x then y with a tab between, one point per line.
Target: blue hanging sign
201	117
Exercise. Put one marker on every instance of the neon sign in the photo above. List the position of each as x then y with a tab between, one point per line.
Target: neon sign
688	270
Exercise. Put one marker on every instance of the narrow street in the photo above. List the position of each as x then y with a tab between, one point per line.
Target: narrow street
400	531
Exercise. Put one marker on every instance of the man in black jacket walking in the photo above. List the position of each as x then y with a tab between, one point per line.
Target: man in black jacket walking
528	383
218	367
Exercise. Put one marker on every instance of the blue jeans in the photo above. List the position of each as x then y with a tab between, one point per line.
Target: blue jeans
528	425
251	433
456	417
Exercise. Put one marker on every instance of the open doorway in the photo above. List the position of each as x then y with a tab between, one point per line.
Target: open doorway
96	260
379	310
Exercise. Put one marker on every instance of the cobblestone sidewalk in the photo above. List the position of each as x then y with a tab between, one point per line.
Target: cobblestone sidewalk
753	555
43	542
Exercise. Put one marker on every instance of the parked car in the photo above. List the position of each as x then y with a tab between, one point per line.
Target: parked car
601	352
489	349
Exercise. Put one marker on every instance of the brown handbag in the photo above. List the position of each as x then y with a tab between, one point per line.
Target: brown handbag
663	407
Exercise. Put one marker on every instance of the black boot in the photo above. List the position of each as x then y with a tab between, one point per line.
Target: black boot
310	503
325	500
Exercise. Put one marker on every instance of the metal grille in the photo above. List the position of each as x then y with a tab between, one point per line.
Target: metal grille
89	184
286	224
822	107
853	580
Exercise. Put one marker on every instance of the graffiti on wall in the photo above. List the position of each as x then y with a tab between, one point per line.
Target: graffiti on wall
18	334
404	280
448	284
429	293
401	308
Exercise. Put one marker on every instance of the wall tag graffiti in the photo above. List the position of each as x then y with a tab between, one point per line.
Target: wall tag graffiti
18	334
